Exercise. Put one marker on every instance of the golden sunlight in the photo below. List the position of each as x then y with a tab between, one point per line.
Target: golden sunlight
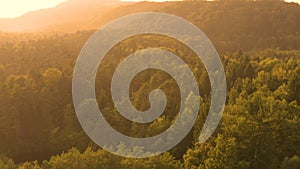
15	8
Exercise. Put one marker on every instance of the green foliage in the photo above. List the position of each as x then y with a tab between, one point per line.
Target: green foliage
260	128
30	165
7	163
90	159
290	163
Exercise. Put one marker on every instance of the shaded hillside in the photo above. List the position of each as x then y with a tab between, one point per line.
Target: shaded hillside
230	25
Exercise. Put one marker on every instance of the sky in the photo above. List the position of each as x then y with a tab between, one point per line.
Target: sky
15	8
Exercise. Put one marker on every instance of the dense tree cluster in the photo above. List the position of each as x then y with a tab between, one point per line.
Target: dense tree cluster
260	128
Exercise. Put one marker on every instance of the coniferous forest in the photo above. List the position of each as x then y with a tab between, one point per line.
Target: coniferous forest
259	46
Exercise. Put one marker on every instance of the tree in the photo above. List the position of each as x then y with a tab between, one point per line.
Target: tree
224	155
290	163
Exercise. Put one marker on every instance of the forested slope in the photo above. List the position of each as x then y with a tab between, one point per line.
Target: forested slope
231	25
260	128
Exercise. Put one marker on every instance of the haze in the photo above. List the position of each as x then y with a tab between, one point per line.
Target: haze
15	8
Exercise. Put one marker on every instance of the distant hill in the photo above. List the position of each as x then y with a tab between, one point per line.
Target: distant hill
71	15
231	25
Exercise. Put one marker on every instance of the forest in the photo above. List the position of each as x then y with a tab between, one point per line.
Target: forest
259	45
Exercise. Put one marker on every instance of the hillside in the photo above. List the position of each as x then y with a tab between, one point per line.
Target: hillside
68	16
258	44
230	25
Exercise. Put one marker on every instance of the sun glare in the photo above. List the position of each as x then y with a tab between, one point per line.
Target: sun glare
15	8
